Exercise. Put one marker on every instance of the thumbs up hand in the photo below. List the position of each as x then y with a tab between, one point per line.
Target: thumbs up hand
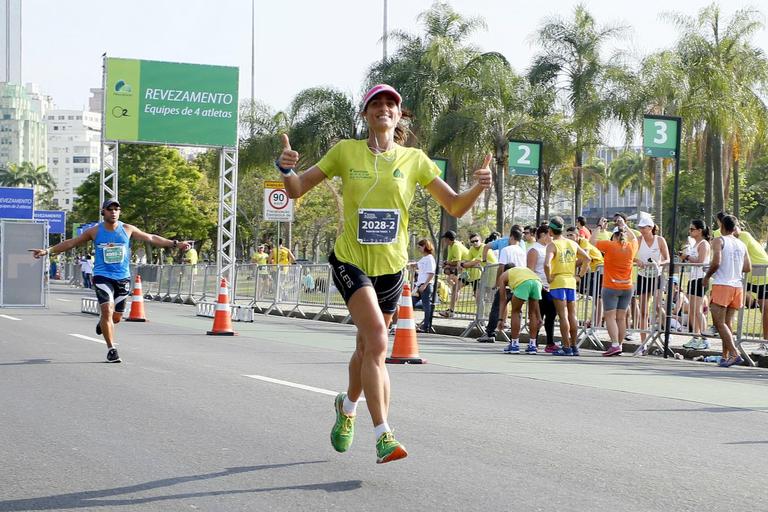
483	175
288	158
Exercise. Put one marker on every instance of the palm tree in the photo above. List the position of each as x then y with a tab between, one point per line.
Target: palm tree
494	107
724	71
656	87
27	174
425	67
630	171
13	176
570	62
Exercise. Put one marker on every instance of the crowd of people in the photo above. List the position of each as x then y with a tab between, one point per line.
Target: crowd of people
623	269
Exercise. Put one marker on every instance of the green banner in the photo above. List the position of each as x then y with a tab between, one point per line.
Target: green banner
441	164
524	157
171	103
660	136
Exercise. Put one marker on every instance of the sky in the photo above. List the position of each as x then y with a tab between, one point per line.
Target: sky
298	43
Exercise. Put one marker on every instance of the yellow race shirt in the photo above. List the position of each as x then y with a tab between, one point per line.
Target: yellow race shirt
376	182
284	258
519	275
563	265
593	252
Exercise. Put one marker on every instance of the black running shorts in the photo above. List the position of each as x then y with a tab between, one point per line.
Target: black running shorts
349	278
112	290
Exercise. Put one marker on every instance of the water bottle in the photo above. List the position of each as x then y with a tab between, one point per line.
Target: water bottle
713	359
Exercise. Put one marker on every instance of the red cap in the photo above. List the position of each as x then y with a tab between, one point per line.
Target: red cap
378	89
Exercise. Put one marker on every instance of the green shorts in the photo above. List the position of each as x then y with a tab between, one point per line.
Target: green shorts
528	290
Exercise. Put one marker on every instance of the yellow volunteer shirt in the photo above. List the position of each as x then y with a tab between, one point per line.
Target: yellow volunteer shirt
563	265
604	235
260	258
519	275
476	254
190	257
386	181
593	252
457	252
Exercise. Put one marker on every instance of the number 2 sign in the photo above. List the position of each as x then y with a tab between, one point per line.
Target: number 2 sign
524	157
660	136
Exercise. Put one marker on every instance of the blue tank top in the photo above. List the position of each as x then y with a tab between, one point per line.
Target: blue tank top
113	253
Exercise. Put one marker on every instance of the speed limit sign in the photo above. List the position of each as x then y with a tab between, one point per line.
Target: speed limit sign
277	205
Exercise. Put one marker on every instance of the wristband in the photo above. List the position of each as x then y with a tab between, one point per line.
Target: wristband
285	172
175	243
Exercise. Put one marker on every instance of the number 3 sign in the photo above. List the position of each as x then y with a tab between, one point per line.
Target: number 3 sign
660	136
524	157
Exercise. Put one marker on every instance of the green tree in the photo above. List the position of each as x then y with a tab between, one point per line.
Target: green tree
494	107
570	62
630	171
425	69
160	193
724	72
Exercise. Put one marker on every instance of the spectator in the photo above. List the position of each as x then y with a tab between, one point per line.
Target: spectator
602	230
525	287
500	243
457	252
535	261
593	280
652	255
758	281
281	255
86	267
529	237
471	268
619	253
513	255
696	255
190	255
729	261
581	224
560	268
422	292
260	257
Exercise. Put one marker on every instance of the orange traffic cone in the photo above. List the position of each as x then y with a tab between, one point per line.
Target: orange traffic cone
137	303
405	349
222	318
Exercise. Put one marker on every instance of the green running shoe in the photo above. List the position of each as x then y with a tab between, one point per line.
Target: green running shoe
388	449
343	430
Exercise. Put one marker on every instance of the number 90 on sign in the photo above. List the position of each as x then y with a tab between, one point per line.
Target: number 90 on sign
278	199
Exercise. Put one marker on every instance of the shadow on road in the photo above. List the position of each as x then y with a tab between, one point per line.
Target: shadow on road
102	498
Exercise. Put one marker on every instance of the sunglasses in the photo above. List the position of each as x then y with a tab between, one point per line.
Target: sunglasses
475	241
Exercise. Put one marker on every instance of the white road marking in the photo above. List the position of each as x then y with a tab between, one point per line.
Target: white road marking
11	317
296	385
88	338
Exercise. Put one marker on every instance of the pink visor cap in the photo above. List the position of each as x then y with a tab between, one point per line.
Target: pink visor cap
378	89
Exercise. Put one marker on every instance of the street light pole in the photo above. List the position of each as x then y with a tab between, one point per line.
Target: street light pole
253	67
384	36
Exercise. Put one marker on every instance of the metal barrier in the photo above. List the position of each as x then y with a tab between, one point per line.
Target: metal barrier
486	290
753	317
308	290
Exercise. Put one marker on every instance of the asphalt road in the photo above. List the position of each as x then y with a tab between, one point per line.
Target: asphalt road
196	422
